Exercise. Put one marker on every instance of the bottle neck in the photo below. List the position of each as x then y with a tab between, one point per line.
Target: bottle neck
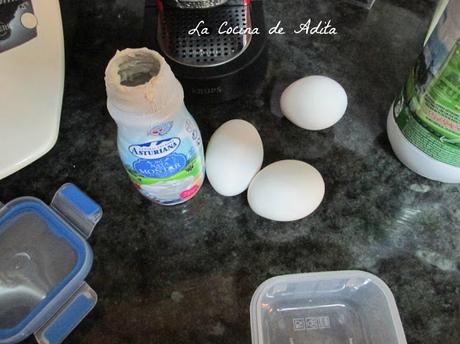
138	121
140	83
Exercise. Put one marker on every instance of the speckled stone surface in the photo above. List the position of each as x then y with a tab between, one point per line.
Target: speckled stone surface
186	274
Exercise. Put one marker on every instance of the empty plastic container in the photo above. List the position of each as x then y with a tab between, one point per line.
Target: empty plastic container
347	307
44	260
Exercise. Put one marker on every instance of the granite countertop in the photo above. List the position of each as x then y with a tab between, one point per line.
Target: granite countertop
186	274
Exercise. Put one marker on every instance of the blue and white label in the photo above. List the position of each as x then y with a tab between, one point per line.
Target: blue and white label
164	160
161	168
155	149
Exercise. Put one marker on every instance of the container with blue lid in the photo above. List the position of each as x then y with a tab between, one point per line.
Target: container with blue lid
44	260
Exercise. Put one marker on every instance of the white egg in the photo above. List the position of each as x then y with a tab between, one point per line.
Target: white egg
287	190
314	102
234	156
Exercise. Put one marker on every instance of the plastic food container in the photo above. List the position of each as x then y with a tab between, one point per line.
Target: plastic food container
44	260
346	307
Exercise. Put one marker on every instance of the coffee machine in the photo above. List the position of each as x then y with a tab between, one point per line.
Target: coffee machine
216	48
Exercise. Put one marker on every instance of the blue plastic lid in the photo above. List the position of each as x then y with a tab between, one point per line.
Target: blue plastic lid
44	260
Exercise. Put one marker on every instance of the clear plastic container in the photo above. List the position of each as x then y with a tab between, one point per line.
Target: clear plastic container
44	260
346	307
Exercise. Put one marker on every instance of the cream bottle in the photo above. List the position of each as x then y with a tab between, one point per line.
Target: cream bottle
158	140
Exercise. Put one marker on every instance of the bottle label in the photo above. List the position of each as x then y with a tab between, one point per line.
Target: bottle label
428	109
167	165
155	149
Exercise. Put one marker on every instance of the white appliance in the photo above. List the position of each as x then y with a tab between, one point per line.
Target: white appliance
32	80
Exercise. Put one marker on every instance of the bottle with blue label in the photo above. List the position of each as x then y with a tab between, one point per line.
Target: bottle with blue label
158	140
